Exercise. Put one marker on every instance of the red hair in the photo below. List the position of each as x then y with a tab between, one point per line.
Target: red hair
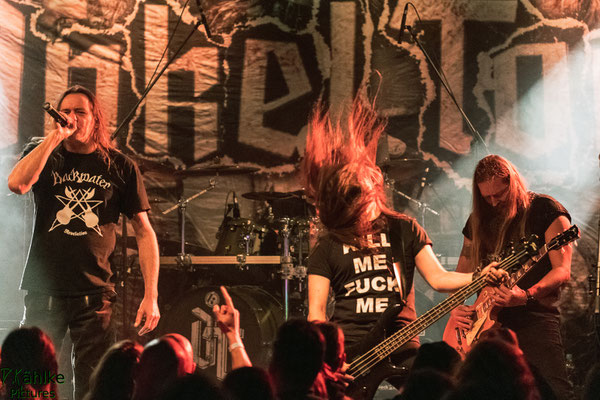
340	174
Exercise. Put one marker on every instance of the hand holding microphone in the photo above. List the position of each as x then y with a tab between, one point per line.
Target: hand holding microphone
65	128
58	117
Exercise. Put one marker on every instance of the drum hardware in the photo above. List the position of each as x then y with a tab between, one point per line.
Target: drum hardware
182	258
287	270
301	272
283	204
247	237
161	168
239	235
168	246
421	205
184	261
269	196
224	260
215	169
403	169
302	232
286	265
172	246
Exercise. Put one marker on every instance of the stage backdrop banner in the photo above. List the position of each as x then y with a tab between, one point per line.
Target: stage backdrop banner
523	71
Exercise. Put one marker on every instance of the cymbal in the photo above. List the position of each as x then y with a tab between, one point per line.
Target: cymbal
153	166
170	247
403	169
269	196
215	169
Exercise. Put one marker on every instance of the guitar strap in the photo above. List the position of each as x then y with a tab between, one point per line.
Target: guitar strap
397	240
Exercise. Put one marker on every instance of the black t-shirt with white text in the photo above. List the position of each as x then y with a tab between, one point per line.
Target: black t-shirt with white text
362	284
78	201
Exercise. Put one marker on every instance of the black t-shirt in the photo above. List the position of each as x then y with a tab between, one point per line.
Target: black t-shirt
78	200
542	211
362	284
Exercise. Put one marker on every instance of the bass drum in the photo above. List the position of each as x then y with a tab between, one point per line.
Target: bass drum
191	315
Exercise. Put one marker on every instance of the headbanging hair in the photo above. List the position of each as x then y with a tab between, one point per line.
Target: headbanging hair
516	203
339	170
101	135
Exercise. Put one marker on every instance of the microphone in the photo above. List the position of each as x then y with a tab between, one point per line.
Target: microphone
58	117
402	24
423	183
236	207
203	19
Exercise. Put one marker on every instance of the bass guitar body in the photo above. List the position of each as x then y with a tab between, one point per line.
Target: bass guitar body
394	372
394	368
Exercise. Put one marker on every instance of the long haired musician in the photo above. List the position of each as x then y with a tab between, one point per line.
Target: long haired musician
504	211
80	185
366	248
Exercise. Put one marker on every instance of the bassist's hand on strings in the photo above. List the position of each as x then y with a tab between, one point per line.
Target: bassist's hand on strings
494	276
343	377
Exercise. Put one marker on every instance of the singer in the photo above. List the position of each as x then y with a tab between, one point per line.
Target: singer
81	184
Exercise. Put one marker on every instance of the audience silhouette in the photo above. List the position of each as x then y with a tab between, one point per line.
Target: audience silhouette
28	365
113	378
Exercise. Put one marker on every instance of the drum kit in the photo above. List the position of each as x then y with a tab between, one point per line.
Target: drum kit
261	261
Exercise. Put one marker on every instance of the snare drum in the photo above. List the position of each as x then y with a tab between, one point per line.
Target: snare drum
260	317
239	236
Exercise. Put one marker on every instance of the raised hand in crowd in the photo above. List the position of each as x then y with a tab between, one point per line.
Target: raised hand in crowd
228	319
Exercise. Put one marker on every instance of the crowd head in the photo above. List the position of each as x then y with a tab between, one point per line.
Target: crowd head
27	349
297	357
113	378
303	351
162	362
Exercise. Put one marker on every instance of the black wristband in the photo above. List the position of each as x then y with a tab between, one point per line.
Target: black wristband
530	298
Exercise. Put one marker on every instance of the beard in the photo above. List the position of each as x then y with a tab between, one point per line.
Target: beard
496	214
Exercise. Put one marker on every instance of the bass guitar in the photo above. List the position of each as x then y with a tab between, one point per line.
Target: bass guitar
485	309
373	366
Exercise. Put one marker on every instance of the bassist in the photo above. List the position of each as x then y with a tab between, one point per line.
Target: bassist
503	211
364	241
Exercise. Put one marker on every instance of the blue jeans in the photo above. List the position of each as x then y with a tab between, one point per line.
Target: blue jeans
88	319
